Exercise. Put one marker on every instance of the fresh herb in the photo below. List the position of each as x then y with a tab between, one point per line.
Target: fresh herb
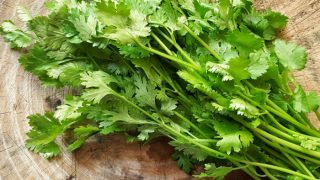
210	75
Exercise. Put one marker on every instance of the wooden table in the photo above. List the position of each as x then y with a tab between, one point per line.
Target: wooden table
110	157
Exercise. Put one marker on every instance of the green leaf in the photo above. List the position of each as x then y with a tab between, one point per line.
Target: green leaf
145	92
13	35
258	64
233	138
166	16
244	108
215	172
183	161
82	134
122	24
97	84
23	14
43	133
238	68
145	132
84	21
70	109
245	41
266	24
313	101
69	73
133	52
189	149
290	55
305	103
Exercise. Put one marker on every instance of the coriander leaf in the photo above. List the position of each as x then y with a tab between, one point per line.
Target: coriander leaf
23	14
290	55
245	41
238	68
69	73
313	101
166	16
244	108
189	149
168	106
300	102
223	48
233	138
215	172
70	108
258	64
84	21
37	62
154	70
82	134
97	84
145	132
305	103
145	92
133	52
44	131
265	24
122	24
183	161
13	35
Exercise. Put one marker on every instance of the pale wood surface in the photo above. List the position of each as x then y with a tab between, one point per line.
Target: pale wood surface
110	158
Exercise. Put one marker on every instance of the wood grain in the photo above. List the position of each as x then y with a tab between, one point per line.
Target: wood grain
110	157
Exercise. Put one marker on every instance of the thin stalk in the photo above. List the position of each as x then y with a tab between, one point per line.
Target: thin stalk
172	58
293	162
277	155
280	148
277	140
283	128
207	140
204	44
298	117
191	124
304	167
284	116
210	151
247	170
280	133
176	45
266	172
294	122
162	44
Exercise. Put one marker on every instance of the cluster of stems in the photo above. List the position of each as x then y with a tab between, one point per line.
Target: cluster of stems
278	129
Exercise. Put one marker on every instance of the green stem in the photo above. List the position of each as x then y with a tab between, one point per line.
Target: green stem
280	126
294	122
162	44
276	139
276	155
191	124
298	117
172	58
176	45
304	167
282	149
293	161
280	133
211	151
266	172
204	44
250	172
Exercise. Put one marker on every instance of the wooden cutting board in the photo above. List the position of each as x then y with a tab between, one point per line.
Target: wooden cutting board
110	157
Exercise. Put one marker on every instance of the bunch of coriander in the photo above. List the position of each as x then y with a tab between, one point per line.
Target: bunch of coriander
210	75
